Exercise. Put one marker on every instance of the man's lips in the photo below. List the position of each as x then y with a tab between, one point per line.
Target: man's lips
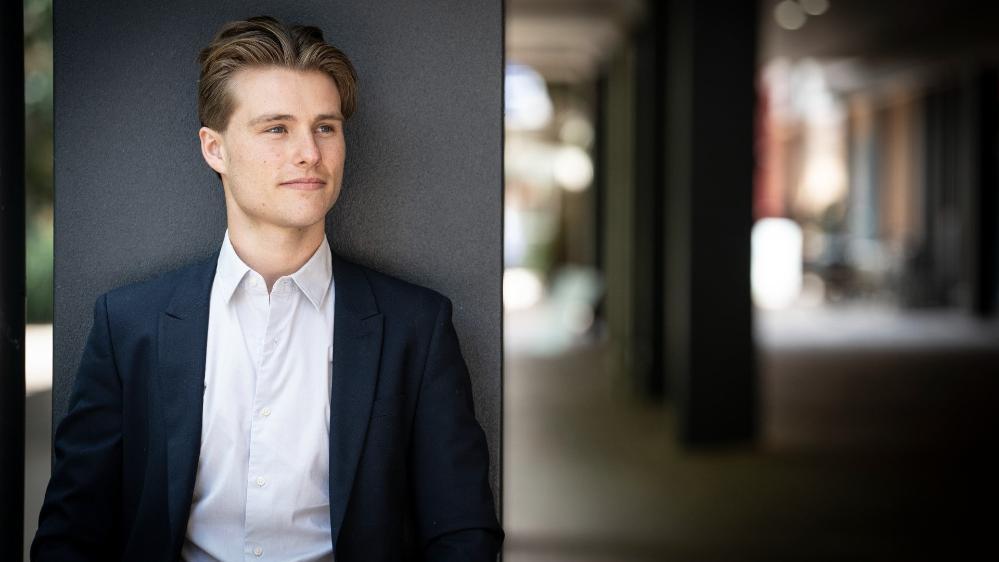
307	184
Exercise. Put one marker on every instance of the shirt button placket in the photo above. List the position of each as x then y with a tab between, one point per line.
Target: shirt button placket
256	498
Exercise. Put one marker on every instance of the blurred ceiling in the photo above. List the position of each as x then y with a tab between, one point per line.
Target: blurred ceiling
884	30
886	44
566	40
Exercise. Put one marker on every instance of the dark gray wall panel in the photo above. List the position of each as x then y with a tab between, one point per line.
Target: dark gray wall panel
422	195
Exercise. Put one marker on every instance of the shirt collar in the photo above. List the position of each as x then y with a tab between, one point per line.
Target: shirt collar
230	271
314	278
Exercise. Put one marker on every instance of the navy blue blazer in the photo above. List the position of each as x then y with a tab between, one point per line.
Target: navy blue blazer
408	461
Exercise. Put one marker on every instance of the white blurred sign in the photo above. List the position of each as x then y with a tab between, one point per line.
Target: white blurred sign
776	263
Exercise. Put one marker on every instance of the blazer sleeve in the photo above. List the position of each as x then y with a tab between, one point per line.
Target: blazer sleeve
80	514
455	513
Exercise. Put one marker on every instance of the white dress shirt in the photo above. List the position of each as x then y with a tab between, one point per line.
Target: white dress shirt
262	487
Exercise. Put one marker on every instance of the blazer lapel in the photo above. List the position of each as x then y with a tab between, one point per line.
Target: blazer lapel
357	341
183	340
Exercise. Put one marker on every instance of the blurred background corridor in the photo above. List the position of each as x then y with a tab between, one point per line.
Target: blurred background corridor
752	270
751	280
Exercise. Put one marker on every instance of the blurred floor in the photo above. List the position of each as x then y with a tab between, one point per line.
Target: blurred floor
870	380
866	454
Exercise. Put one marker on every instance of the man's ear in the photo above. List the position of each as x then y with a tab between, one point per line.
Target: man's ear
213	149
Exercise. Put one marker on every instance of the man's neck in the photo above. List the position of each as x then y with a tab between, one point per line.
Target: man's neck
273	251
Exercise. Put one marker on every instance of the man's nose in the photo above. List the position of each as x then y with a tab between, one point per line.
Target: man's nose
306	150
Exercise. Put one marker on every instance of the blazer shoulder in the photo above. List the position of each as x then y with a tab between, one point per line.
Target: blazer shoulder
151	296
395	295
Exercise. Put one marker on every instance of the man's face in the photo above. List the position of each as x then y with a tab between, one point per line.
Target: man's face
281	156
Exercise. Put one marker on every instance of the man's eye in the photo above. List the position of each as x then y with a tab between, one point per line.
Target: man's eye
325	129
277	129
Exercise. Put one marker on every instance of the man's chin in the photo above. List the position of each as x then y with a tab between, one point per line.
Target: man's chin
297	223
306	224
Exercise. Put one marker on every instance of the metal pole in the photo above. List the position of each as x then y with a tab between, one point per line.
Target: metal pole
12	280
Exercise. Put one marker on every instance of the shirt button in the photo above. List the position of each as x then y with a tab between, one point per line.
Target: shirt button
265	412
260	481
258	551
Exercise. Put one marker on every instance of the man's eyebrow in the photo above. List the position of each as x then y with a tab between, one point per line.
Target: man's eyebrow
271	117
286	117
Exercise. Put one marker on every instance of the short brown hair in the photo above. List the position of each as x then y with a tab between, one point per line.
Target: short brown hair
265	41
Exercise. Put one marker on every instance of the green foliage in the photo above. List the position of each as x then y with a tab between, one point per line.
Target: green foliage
39	269
38	156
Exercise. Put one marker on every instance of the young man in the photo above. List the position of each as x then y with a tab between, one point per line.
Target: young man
275	402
